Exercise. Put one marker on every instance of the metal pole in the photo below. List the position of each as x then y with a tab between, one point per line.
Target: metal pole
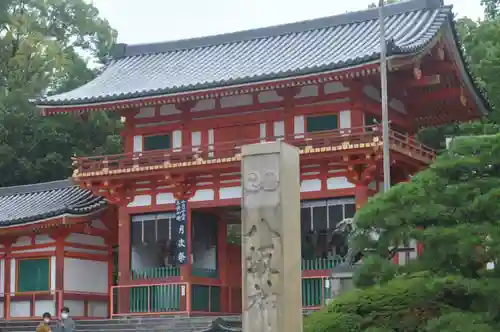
384	99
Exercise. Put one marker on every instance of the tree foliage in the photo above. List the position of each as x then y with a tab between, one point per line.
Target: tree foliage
44	47
452	209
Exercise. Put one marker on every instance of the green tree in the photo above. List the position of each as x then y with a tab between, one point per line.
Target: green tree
43	46
481	44
491	9
452	209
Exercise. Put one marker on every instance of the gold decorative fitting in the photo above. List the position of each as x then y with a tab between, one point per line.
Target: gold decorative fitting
463	100
417	72
441	53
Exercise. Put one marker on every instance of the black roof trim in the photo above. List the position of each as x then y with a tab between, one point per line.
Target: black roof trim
125	50
38	202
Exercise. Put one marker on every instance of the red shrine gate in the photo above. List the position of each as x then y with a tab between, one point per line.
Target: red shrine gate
189	106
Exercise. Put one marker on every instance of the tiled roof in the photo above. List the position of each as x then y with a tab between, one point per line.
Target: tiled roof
308	47
31	203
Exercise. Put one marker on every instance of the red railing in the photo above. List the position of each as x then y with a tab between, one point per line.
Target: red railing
351	137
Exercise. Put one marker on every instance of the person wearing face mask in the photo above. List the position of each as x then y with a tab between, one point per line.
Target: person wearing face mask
66	324
44	325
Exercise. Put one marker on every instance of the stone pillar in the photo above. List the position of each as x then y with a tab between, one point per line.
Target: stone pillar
272	295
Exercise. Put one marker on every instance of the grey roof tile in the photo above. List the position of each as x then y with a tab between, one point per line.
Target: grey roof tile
288	50
31	203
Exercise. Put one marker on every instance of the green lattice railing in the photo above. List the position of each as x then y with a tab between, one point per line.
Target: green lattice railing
321	263
170	271
155	273
204	298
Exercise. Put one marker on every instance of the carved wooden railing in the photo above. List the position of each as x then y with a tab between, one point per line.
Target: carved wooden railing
353	137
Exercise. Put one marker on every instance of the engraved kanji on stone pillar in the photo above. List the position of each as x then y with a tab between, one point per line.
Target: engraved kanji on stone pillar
272	295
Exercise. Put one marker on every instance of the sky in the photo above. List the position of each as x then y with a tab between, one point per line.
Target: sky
147	21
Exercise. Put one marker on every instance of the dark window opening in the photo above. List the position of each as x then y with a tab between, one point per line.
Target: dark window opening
157	142
319	220
322	123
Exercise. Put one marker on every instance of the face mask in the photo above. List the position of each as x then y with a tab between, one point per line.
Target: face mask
64	315
46	320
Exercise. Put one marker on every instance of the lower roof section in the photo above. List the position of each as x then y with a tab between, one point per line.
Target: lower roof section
36	202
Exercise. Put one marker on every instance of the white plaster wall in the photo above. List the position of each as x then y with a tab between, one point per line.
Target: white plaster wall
310	185
195	139
335	87
279	129
234	101
299	126
165	198
176	139
98	309
137	145
52	273
84	275
269	96
85	239
262	132
169	109
345	120
43	238
22	241
204	105
13	275
203	195
19	309
141	200
211	140
76	307
2	276
145	112
2	306
230	192
308	91
340	182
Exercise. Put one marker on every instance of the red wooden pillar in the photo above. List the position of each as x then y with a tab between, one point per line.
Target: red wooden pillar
60	238
123	260
361	193
7	273
222	263
288	95
357	118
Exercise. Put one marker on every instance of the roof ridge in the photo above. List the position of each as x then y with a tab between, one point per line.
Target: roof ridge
125	50
36	187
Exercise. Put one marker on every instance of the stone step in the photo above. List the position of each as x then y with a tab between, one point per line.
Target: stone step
128	324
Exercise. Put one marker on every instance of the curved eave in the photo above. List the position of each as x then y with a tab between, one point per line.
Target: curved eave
222	88
452	40
90	208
